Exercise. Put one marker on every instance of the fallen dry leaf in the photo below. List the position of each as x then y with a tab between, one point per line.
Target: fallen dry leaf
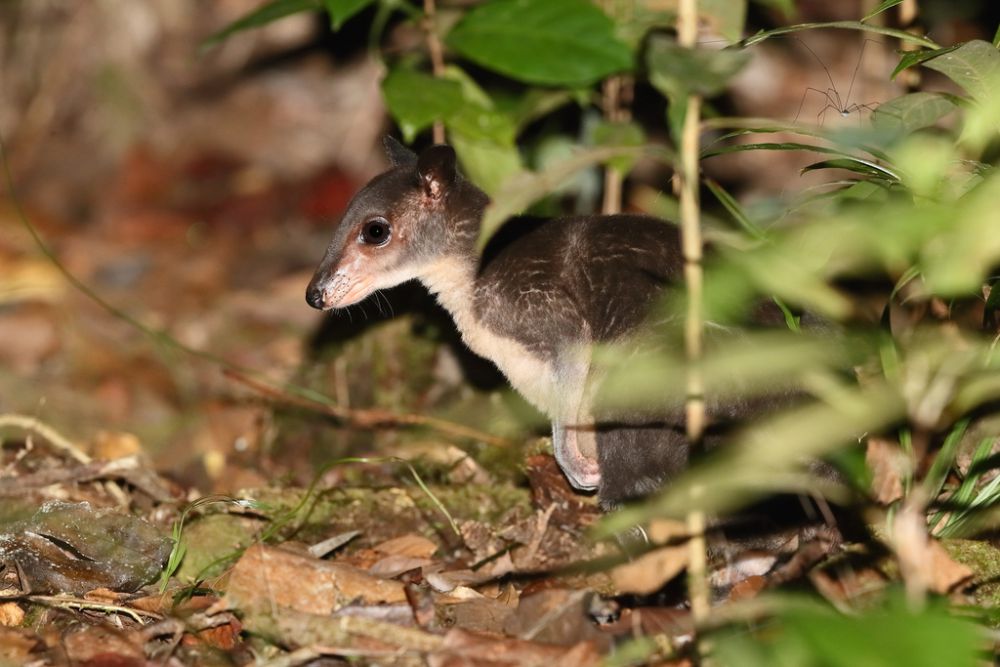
278	578
889	465
74	548
947	574
481	614
395	565
11	614
100	645
649	572
465	648
556	616
924	563
412	545
16	645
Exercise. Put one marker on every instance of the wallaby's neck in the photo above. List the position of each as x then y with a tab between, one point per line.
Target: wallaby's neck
451	277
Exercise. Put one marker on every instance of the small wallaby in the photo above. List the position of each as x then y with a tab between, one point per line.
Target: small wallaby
535	306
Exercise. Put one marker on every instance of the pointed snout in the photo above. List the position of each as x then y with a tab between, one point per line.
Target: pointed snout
314	296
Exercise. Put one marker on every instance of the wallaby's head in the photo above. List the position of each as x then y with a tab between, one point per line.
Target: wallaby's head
399	224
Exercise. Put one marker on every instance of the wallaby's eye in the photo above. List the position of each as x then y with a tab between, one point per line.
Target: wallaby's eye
375	232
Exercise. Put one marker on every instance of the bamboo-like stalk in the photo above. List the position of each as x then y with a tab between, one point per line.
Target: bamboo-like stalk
611	104
436	52
691	240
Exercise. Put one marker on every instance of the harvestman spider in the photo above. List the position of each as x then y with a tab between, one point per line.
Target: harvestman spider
843	106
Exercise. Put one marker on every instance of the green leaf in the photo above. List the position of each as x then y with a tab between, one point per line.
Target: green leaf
912	112
975	66
850	164
733	207
341	10
911	58
416	100
725	17
268	13
804	632
796	146
618	134
843	25
482	135
884	5
547	42
488	164
678	72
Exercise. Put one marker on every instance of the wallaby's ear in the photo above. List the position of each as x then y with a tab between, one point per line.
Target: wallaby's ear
436	167
399	155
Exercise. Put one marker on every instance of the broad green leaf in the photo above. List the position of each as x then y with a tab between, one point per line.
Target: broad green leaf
618	134
487	164
267	13
547	42
341	10
911	58
965	252
483	136
640	19
843	25
416	100
912	112
482	124
884	5
678	72
927	164
803	632
975	66
725	17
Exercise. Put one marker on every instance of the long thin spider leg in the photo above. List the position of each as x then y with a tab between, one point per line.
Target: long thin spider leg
857	68
835	100
821	116
820	61
825	94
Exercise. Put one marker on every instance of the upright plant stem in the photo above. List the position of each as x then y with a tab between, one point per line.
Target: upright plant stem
616	98
436	53
611	103
691	240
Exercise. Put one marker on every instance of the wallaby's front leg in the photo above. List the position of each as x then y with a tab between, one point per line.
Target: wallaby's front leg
573	436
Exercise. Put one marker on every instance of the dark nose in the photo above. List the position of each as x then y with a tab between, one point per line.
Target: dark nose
314	296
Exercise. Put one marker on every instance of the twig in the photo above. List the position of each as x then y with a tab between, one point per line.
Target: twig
56	439
370	418
67	602
691	240
436	53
